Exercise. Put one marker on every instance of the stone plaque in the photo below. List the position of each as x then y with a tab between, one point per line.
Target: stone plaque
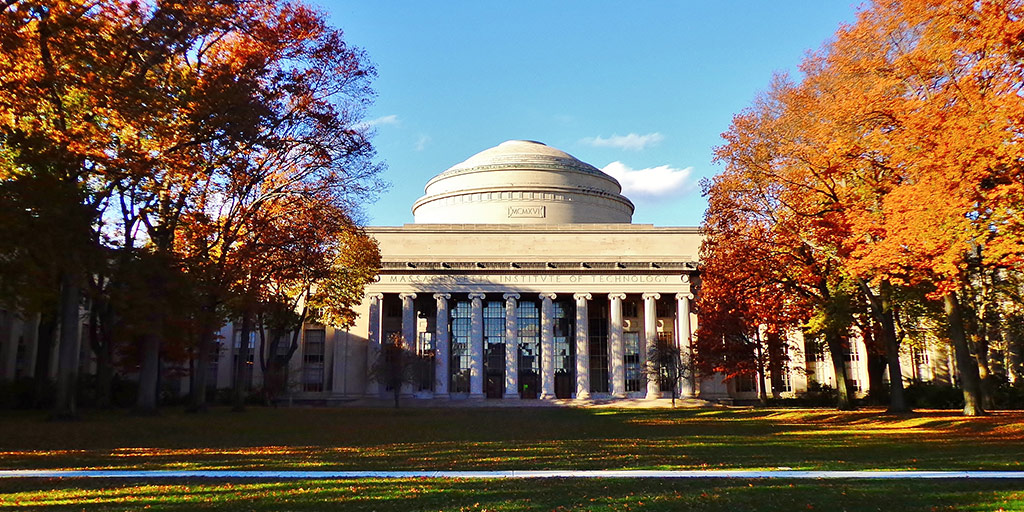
518	212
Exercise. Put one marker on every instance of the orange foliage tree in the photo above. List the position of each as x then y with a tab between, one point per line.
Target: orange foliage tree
178	126
896	162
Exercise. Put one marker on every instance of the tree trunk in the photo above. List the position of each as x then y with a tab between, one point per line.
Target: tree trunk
985	374
100	340
149	371
897	398
835	348
45	337
970	380
242	371
1012	328
776	362
876	363
762	395
201	370
882	309
66	406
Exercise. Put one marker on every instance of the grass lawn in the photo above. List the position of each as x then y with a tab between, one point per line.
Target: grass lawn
503	438
520	438
553	494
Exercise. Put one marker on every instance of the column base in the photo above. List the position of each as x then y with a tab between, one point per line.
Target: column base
476	396
653	392
583	396
441	396
512	396
547	396
618	396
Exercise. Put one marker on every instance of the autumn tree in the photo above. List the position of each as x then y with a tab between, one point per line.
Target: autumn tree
156	114
897	157
943	82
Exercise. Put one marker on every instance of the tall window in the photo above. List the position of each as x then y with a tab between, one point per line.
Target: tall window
494	348
529	349
461	359
630	309
665	342
426	351
313	360
634	368
565	349
598	355
922	364
787	380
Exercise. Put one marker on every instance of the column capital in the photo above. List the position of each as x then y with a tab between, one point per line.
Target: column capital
617	296
508	296
475	296
582	296
547	296
686	295
408	295
445	296
654	296
375	296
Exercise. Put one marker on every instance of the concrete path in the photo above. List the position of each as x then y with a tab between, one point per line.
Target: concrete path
285	475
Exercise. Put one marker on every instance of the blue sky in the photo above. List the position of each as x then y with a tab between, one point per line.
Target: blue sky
640	89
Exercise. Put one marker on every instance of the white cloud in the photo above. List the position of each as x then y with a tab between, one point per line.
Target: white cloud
632	142
422	141
653	182
380	121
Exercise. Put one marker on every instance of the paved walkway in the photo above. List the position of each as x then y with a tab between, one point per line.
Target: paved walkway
283	475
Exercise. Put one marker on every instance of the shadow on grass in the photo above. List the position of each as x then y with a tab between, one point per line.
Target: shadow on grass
548	494
527	438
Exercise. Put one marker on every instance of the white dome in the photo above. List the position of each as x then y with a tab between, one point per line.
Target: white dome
522	182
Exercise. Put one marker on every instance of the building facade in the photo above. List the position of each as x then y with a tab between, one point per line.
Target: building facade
522	277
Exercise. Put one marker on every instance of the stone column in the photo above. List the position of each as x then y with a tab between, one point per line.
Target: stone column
547	346
476	346
650	341
582	346
408	320
511	346
373	342
408	330
442	345
616	351
684	338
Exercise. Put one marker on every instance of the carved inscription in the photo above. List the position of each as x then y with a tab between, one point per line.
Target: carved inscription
527	279
526	211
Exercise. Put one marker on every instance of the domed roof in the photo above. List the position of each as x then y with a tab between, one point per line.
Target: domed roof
517	153
522	181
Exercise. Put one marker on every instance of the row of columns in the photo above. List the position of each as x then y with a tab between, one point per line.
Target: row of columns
616	345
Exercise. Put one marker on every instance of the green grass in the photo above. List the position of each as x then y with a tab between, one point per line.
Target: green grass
554	494
526	438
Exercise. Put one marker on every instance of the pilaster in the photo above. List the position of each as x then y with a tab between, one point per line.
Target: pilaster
582	346
650	341
616	349
547	346
476	349
685	340
511	346
442	347
373	342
